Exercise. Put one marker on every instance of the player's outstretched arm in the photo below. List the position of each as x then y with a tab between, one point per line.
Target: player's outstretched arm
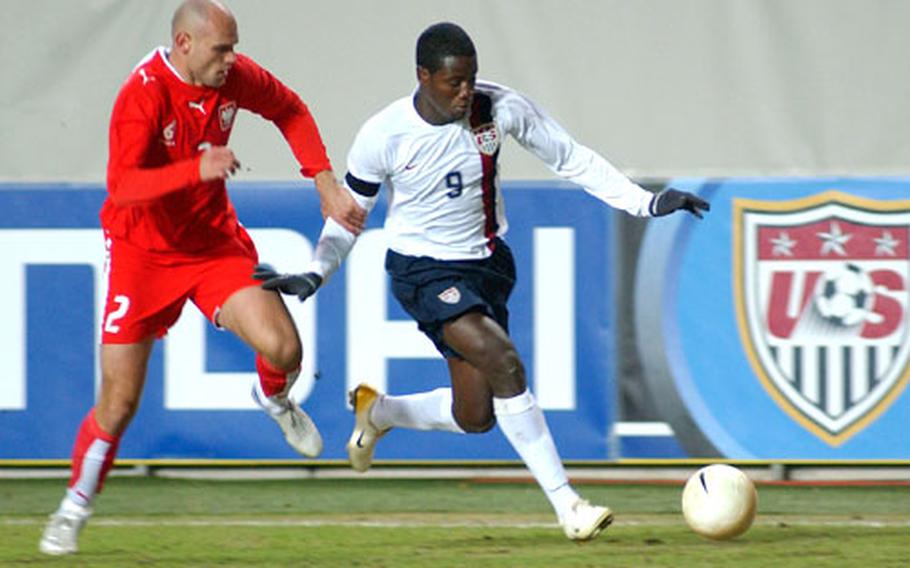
338	204
301	285
334	245
670	200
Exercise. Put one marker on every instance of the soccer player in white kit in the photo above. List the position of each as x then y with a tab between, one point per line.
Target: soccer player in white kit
436	151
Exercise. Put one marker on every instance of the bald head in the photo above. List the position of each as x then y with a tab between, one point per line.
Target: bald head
195	15
203	35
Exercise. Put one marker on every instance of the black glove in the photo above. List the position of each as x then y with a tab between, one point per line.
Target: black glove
671	200
301	285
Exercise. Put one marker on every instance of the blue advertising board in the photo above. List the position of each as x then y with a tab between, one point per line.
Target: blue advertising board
782	330
196	402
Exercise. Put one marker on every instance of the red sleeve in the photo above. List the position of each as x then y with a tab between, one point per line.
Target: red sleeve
134	172
260	92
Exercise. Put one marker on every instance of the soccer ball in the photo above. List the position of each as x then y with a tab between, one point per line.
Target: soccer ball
844	295
719	502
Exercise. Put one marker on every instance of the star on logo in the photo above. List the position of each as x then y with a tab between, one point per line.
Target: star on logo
783	245
885	244
834	240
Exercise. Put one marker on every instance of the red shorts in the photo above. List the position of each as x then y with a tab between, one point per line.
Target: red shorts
147	291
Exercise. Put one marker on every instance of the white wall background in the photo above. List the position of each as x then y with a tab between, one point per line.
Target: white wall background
661	87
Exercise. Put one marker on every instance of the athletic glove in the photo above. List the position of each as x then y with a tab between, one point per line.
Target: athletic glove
671	200
301	285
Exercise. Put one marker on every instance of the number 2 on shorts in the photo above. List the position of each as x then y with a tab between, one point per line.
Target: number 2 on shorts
123	305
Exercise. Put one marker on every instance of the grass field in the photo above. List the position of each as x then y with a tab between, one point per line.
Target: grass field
393	523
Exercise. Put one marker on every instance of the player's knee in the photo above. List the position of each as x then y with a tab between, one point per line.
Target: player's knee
474	421
284	353
499	357
289	357
507	375
479	428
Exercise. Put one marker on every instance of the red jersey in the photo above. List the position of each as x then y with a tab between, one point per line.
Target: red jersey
159	127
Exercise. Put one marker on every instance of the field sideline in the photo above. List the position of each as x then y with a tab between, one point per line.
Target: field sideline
391	523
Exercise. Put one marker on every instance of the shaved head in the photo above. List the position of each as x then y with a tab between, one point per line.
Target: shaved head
203	35
194	15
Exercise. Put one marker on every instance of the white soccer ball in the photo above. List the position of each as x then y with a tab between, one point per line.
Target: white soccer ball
844	295
719	502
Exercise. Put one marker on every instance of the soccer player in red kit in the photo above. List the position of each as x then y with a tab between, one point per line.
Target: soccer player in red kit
172	235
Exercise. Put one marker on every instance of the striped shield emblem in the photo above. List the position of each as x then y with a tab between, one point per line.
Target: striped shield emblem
821	287
487	138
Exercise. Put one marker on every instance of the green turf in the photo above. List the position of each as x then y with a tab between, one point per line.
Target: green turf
385	523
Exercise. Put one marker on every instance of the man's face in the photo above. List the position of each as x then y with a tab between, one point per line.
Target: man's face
450	89
210	52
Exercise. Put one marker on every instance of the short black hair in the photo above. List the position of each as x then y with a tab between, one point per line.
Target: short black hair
442	40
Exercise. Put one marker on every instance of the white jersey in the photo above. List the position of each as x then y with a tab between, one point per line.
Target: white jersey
444	197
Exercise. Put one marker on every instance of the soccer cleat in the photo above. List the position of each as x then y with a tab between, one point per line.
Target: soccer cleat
299	429
61	535
363	439
584	521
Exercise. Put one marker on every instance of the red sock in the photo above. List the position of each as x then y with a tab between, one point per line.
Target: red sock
274	381
93	457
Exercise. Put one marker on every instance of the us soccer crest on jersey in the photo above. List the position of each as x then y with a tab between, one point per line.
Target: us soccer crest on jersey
821	286
486	137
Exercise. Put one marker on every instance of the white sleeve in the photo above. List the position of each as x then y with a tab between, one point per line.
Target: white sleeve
336	242
547	140
364	170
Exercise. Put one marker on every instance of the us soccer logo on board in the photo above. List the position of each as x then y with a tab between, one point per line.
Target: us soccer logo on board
821	287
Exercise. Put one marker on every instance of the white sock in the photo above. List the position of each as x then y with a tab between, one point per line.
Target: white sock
523	423
271	404
421	411
72	508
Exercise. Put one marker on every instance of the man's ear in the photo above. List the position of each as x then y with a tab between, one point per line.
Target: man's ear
423	75
183	41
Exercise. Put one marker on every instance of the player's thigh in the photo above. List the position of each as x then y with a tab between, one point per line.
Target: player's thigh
229	296
483	343
260	318
478	338
472	396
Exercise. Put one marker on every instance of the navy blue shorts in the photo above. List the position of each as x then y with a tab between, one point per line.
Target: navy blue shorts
436	291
